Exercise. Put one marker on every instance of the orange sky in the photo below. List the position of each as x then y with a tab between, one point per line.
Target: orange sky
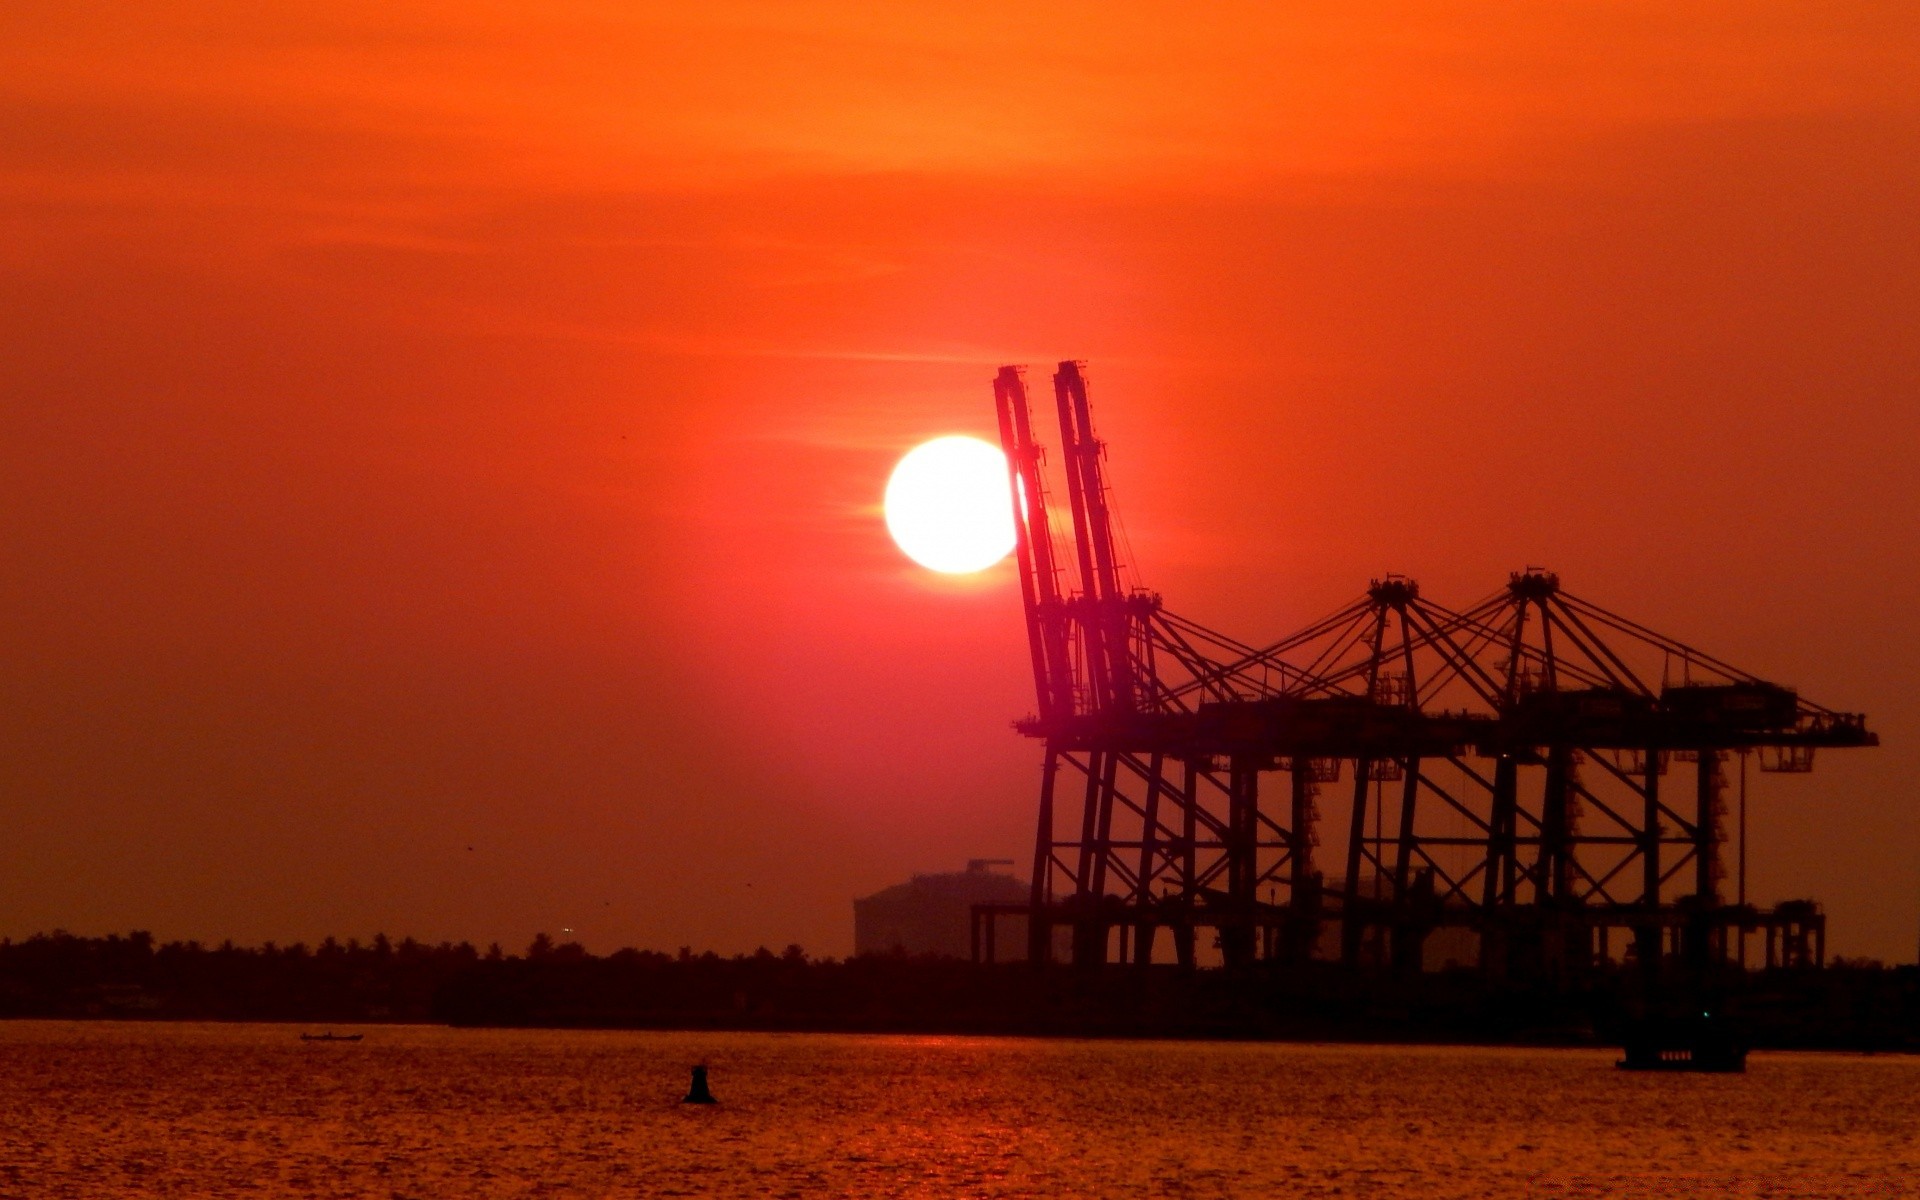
435	425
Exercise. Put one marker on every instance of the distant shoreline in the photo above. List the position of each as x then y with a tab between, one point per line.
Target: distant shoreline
1846	1007
1911	1047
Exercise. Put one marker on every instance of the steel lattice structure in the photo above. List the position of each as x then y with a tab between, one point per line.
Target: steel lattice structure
1538	769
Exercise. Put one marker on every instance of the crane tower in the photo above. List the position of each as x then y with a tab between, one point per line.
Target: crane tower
1532	769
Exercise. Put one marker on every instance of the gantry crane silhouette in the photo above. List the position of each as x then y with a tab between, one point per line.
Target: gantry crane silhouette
1538	770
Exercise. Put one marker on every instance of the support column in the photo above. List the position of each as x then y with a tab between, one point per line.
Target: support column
1352	927
1706	830
1706	859
1183	932
1096	929
1403	850
1407	937
1243	805
1498	887
1040	893
1746	914
1303	900
1089	936
1559	949
1555	869
1498	890
1143	899
1646	936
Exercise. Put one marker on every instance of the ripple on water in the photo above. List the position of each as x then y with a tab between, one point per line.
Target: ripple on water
123	1110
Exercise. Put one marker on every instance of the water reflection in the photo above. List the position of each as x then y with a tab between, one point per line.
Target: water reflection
117	1110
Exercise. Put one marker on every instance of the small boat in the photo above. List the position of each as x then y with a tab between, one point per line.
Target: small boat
331	1036
1699	1043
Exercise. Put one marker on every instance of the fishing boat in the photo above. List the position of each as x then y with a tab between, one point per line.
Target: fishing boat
331	1036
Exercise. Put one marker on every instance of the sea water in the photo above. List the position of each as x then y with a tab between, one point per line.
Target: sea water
99	1109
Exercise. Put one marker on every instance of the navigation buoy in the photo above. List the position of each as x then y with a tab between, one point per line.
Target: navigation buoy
698	1093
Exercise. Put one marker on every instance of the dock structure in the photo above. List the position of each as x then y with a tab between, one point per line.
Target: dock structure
1534	768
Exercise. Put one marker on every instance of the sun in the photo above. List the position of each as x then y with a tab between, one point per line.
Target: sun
948	505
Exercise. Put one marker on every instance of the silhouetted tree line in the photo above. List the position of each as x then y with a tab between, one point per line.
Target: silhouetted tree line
59	974
1850	1006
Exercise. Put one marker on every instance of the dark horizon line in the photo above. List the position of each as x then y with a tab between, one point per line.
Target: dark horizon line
543	946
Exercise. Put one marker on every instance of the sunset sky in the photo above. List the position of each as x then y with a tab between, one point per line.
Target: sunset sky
441	444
